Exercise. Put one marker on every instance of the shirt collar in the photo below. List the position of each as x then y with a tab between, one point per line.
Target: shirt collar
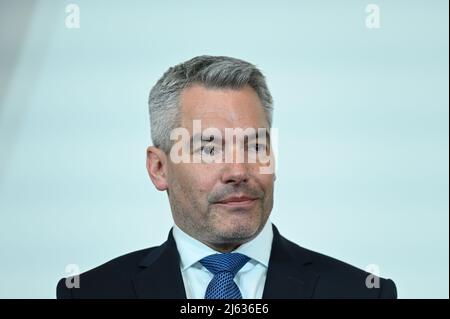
192	250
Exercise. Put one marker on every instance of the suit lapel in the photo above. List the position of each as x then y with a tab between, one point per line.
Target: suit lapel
161	275
289	276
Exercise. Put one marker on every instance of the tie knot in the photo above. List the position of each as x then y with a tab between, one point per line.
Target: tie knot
227	262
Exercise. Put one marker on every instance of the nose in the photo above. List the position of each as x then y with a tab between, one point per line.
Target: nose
236	170
235	173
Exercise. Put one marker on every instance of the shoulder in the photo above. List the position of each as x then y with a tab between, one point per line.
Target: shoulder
112	279
338	279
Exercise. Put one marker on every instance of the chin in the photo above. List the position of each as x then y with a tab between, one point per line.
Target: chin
237	231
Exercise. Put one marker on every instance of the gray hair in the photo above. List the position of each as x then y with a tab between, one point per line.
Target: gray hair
209	71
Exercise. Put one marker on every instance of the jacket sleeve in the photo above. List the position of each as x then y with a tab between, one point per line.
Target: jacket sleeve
388	290
62	292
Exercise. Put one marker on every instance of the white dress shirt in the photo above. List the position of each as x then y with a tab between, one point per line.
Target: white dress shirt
251	277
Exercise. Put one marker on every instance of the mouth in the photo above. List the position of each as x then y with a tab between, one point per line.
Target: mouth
237	201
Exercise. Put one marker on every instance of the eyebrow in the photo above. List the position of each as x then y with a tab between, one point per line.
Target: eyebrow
209	138
203	138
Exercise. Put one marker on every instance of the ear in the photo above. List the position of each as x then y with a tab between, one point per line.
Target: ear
156	167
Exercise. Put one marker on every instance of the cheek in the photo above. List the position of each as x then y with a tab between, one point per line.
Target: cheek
266	181
203	178
196	179
267	184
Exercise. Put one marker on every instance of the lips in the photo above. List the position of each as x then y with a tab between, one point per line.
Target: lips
238	201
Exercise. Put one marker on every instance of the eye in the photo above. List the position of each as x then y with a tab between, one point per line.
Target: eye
257	147
207	150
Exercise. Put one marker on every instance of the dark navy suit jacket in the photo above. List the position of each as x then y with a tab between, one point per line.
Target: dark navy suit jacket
294	272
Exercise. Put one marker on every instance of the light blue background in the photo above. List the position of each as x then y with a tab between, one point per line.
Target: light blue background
362	116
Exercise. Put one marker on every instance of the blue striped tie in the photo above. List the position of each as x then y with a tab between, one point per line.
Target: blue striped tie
224	267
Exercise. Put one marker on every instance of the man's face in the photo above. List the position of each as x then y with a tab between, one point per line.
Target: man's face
220	204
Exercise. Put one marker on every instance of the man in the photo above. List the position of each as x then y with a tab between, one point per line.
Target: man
222	244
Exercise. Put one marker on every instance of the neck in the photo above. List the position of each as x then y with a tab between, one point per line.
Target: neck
223	248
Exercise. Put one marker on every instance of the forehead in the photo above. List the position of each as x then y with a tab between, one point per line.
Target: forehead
222	108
